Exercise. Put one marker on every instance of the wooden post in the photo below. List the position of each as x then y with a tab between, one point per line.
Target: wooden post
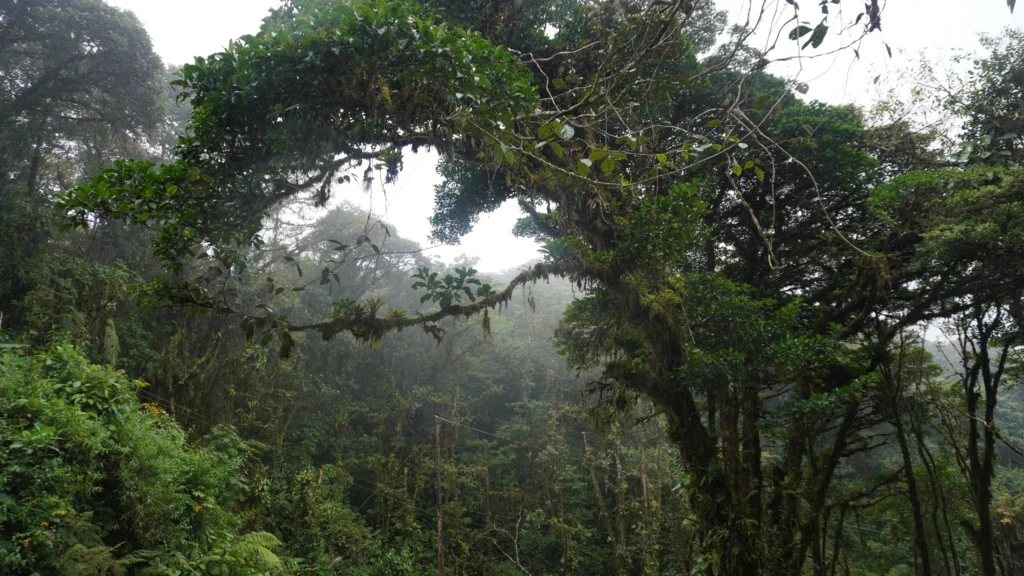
440	528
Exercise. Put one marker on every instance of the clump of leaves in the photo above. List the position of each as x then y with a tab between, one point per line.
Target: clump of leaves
450	290
341	306
561	249
372	305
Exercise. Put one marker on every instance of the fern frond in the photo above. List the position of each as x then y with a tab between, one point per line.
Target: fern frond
259	546
264	539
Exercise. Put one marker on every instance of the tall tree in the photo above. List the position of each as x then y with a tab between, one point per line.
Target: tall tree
81	86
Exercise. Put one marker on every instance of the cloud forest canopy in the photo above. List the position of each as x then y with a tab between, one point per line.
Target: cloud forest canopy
749	263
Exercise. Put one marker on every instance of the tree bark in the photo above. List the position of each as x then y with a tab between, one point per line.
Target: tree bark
602	509
978	369
35	165
893	392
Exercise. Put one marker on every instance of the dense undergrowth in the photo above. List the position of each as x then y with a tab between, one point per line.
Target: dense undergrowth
95	483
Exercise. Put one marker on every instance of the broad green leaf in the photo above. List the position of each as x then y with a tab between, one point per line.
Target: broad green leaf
583	167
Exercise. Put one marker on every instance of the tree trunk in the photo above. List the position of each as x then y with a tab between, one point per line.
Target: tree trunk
620	513
978	369
37	161
938	497
602	509
920	539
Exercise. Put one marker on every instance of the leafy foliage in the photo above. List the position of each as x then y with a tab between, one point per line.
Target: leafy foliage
84	461
451	288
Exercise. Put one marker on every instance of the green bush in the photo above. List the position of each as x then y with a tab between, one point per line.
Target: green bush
94	483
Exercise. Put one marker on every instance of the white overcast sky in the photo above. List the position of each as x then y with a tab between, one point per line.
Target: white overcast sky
184	29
